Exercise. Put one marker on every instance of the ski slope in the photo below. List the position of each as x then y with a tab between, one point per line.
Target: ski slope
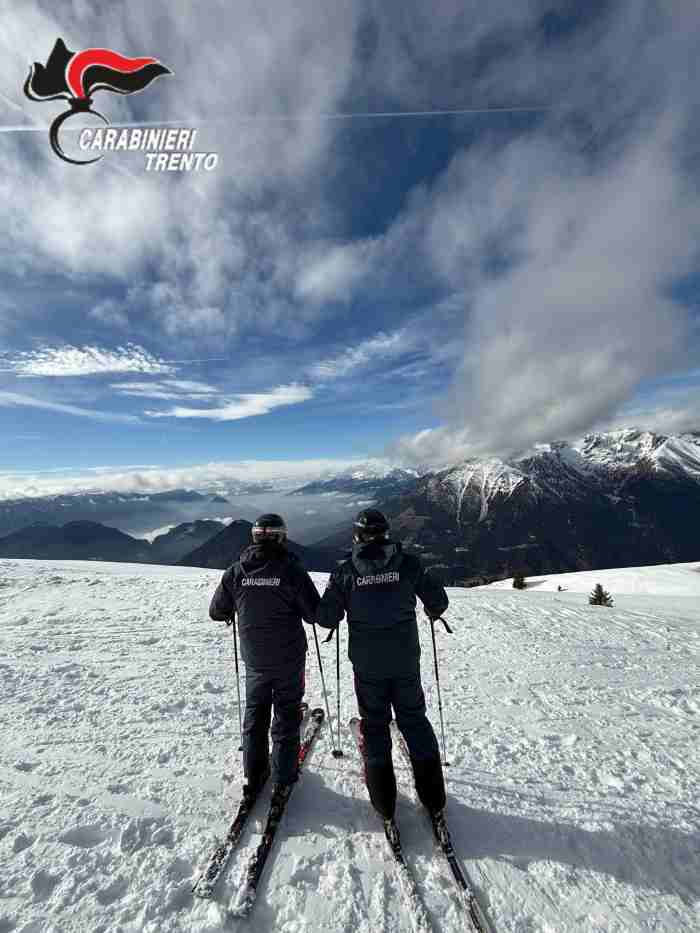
657	580
573	734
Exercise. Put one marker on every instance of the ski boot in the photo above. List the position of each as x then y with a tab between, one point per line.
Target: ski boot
439	824
280	793
253	788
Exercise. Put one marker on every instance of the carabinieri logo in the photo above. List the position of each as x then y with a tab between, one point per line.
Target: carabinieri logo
75	76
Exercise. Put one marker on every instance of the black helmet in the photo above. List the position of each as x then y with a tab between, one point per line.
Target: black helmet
370	525
269	527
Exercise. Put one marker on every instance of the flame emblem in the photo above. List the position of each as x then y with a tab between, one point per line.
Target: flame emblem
75	76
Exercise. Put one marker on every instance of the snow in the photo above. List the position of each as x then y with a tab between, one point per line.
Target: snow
572	733
563	470
370	470
379	469
489	477
619	448
628	446
657	580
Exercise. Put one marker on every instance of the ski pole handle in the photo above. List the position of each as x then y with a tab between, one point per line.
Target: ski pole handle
434	619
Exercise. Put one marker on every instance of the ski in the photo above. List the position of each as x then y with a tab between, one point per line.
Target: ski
220	857
247	894
420	921
205	884
441	833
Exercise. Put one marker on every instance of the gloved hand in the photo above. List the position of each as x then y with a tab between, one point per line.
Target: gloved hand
437	618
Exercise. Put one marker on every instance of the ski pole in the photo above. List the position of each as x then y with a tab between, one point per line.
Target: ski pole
323	680
337	752
437	681
232	622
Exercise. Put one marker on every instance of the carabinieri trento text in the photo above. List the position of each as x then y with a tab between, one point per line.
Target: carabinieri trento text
167	150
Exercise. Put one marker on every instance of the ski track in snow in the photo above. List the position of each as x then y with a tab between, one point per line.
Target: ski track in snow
573	734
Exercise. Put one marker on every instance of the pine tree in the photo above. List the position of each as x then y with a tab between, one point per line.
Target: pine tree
600	597
519	581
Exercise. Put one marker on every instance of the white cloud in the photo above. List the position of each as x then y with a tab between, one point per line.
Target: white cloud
579	315
334	274
145	480
674	410
564	260
423	54
110	313
197	233
87	361
248	405
151	535
375	349
16	400
166	389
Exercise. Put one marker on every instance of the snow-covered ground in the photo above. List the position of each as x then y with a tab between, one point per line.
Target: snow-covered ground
573	734
658	580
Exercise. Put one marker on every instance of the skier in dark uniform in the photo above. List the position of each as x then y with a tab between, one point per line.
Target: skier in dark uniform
376	588
270	593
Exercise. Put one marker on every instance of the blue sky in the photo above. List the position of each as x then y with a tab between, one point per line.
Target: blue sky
421	288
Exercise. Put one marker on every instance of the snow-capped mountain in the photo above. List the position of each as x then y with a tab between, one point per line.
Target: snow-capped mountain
565	471
370	480
618	499
628	448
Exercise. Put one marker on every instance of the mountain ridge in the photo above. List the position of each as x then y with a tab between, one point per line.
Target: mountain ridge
610	499
224	548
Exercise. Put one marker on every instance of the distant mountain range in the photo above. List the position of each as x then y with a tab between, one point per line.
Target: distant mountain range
620	499
84	540
131	511
368	482
612	500
173	545
75	541
191	544
221	550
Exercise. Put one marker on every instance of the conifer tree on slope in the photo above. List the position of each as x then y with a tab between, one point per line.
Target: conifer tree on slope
600	597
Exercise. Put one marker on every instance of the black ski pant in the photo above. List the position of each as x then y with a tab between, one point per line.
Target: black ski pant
375	699
284	690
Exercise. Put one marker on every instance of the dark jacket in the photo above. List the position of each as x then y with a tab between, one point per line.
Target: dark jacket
271	593
377	588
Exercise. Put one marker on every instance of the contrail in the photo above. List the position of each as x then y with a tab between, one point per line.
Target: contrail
292	118
24	129
402	113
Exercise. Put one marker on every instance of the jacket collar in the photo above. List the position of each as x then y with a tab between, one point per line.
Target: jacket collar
373	557
256	556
